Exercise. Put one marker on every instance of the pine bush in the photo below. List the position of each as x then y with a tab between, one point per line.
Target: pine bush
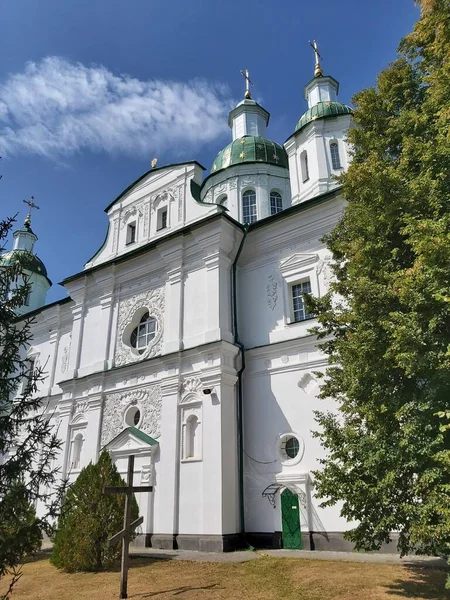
89	518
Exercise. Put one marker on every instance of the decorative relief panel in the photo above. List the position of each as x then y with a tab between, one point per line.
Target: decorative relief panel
272	291
165	196
153	301
115	234
246	181
180	203
82	406
191	390
148	399
232	182
146	210
66	356
324	266
130	212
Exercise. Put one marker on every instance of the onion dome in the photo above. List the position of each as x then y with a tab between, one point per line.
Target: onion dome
27	260
250	149
322	110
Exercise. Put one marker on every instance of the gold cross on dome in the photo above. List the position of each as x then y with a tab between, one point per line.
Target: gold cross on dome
31	205
318	69
248	83
154	161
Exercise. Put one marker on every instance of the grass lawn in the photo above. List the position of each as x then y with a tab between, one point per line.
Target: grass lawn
264	579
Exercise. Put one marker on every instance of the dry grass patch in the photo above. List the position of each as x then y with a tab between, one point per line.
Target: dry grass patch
266	578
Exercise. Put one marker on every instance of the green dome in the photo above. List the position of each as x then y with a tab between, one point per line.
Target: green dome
30	261
322	110
250	149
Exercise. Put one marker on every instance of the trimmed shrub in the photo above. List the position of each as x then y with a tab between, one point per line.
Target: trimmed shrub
89	517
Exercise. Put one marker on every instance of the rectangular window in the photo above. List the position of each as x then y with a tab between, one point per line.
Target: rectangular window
335	160
298	305
131	233
249	214
305	166
162	219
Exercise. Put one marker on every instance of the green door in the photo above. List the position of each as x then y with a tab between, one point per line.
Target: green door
292	537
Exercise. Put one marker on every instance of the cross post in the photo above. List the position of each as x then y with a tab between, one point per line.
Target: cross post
128	526
248	82
31	205
318	68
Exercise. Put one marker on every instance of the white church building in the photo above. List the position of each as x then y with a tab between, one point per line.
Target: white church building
185	340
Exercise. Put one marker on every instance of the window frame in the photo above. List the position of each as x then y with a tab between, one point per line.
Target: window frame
294	270
247	194
304	166
300	283
335	145
162	218
131	233
282	455
142	332
275	195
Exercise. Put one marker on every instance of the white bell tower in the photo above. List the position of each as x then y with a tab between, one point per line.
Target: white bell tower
318	150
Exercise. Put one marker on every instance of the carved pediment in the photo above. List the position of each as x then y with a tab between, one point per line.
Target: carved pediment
298	262
131	439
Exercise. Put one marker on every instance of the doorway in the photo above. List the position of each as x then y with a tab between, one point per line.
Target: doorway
290	516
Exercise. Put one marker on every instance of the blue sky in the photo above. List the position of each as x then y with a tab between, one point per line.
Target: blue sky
92	90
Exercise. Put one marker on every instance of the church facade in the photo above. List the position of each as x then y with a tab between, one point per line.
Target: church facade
185	340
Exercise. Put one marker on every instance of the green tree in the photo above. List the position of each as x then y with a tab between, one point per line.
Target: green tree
89	517
28	442
385	324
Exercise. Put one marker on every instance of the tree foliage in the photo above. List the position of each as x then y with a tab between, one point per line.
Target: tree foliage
385	324
28	442
89	518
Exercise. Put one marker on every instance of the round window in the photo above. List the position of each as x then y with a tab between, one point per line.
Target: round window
142	335
290	447
133	416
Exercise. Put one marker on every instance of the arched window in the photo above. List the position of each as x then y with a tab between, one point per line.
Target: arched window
77	446
249	206
143	334
192	438
304	166
334	151
276	203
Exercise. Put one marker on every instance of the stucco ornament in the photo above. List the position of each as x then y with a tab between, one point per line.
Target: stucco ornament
66	356
191	389
130	313
82	406
272	291
163	198
324	266
148	399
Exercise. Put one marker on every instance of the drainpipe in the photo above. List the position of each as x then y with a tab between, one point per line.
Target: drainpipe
238	343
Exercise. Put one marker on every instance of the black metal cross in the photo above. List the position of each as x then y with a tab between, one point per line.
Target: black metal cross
128	527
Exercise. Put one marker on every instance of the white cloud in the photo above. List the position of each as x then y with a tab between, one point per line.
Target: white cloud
56	108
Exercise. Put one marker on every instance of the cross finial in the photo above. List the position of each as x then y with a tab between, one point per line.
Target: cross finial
31	205
248	83
154	161
318	69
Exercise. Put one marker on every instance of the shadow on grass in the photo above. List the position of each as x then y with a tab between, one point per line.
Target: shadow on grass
177	591
425	583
